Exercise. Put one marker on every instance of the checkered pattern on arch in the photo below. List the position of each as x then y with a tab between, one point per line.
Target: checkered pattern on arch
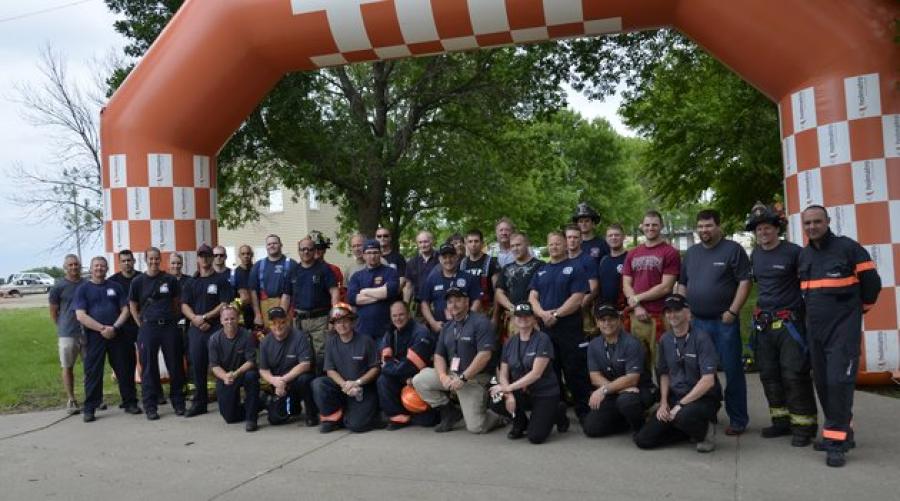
841	146
367	30
161	200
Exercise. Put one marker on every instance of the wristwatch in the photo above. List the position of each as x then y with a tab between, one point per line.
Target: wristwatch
463	378
604	390
555	314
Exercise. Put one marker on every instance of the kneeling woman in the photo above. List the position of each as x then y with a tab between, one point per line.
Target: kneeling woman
624	390
346	394
527	381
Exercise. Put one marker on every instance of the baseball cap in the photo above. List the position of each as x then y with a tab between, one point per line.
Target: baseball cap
204	250
371	244
675	302
523	310
454	291
605	310
446	249
276	312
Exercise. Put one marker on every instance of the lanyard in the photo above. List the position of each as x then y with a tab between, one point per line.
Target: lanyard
611	358
457	333
679	358
520	354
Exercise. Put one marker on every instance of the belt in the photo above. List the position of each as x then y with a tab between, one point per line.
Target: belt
159	322
308	314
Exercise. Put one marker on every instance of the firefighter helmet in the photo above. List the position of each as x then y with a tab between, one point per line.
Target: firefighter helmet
760	213
319	240
412	401
585	210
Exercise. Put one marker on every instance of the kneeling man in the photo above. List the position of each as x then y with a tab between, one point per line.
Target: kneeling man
232	358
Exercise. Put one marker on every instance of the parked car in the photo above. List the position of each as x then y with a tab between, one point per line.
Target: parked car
32	275
22	286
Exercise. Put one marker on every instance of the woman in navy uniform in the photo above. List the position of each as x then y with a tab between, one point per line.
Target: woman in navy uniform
527	382
624	390
346	394
154	301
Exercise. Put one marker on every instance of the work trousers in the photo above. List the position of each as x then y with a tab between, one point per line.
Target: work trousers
472	398
317	330
727	338
691	422
389	388
120	351
280	409
152	337
535	415
784	370
834	327
618	413
570	362
228	397
335	406
648	333
199	356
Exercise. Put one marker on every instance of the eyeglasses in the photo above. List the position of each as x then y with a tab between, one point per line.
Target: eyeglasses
307	249
218	255
246	253
383	235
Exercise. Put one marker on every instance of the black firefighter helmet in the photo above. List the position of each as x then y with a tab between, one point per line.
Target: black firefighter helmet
585	210
760	213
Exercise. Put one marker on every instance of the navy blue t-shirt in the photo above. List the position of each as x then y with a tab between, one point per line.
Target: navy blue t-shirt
156	296
519	356
610	277
396	261
309	287
596	248
351	359
777	276
374	318
436	285
103	302
268	278
240	278
556	282
203	294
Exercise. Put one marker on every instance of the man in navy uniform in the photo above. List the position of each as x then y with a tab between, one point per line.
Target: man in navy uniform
557	293
201	302
447	274
839	283
312	288
101	306
372	290
406	349
123	277
154	301
587	219
690	394
285	362
232	359
268	279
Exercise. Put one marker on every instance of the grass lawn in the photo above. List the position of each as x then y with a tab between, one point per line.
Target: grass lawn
29	364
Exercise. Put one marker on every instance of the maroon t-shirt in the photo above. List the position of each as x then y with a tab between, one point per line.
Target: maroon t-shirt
646	267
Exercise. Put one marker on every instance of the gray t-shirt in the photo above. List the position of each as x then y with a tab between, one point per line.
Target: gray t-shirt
712	276
776	275
280	357
351	359
62	294
230	354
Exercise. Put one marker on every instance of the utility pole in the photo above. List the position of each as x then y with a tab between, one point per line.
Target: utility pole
77	222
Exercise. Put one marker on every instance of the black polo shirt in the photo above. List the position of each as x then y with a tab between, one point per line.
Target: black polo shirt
777	276
625	356
279	357
515	279
157	296
351	359
203	294
686	360
519	356
464	339
230	354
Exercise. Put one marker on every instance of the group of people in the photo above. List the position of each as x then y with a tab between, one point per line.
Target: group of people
633	340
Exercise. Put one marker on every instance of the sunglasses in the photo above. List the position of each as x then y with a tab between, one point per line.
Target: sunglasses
382	236
307	249
219	255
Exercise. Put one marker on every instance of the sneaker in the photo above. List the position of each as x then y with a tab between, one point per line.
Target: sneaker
394	426
312	420
152	415
89	417
329	426
133	409
835	457
515	433
102	406
195	410
776	430
251	426
179	410
72	407
708	444
733	431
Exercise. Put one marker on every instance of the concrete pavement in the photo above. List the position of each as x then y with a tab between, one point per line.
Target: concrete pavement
44	455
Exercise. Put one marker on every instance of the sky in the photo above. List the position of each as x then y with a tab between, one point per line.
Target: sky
82	30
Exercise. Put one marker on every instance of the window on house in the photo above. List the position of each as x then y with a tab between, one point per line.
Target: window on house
276	200
312	198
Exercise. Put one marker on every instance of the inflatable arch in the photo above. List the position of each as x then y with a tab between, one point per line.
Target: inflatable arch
831	65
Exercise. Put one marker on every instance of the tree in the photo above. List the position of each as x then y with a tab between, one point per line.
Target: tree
69	188
706	128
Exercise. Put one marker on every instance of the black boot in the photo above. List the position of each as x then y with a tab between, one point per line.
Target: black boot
779	428
450	415
562	418
835	457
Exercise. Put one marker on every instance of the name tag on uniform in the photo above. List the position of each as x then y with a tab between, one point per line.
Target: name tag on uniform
454	364
439	287
164	289
358	358
291	356
111	292
692	355
212	289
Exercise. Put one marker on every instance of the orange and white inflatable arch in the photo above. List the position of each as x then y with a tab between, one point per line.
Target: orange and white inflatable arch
831	65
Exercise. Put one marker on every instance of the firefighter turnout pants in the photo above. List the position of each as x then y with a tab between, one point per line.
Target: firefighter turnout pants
784	370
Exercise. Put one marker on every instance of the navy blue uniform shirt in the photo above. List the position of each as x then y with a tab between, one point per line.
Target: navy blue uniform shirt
157	296
556	282
103	302
434	287
374	318
520	355
596	248
309	287
203	294
268	278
